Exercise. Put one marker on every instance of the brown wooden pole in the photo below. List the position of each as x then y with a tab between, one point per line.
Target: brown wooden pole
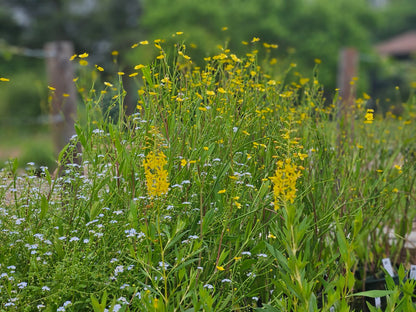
63	108
347	70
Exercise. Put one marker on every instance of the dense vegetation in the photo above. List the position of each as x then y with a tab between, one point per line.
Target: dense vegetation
230	188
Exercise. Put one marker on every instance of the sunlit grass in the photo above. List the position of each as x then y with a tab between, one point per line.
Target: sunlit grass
228	188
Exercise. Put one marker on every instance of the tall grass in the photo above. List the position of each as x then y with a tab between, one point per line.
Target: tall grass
227	190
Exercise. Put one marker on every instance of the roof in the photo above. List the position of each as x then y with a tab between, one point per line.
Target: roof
400	45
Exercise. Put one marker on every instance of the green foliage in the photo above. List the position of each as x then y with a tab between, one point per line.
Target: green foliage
226	236
304	30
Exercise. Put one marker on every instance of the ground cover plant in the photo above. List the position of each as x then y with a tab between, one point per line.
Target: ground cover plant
228	189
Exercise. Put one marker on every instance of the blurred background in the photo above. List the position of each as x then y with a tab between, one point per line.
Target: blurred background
383	31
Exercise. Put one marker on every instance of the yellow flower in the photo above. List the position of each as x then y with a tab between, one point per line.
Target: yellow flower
156	174
144	42
255	39
83	55
133	74
51	88
183	162
99	68
140	66
302	156
235	58
108	84
120	73
134	45
73	57
284	181
369	116
222	191
4	79
224	28
83	62
220	268
212	93
114	53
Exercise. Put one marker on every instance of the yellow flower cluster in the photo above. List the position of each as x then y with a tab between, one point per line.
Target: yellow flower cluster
156	174
284	181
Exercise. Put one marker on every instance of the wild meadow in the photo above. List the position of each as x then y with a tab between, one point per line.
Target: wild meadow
230	188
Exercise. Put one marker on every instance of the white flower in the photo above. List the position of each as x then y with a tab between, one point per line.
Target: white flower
22	285
163	264
67	303
209	286
46	288
118	269
117	307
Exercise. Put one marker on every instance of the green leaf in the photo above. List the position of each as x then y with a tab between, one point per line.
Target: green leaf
223	255
342	243
95	304
267	308
95	209
209	216
44	206
372	293
133	215
147	75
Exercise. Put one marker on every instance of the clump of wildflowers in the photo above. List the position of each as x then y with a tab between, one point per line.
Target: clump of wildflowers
284	181
156	174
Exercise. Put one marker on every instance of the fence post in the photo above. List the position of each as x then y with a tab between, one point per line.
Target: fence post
347	70
63	108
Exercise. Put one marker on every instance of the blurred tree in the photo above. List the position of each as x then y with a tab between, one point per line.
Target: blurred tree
303	29
396	17
91	25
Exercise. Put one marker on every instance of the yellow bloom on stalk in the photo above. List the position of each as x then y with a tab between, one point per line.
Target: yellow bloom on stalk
99	68
4	79
140	66
156	174
284	181
369	116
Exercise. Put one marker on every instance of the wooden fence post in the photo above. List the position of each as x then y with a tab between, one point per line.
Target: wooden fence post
347	70
63	109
